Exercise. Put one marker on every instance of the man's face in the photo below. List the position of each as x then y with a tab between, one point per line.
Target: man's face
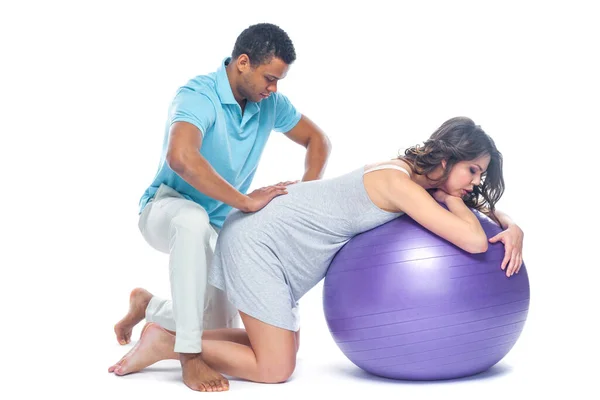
259	82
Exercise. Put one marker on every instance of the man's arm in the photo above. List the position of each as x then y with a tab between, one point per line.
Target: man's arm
184	158
318	147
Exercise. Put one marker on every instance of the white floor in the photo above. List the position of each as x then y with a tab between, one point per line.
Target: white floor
530	369
543	362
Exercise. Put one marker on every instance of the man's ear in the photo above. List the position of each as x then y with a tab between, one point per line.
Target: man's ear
243	62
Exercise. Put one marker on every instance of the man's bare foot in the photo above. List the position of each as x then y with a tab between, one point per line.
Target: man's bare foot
138	301
197	375
155	344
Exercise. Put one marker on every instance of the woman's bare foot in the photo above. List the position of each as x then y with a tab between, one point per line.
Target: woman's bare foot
138	301
197	375
155	344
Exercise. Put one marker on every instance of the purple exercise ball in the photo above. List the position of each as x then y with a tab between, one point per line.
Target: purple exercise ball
403	303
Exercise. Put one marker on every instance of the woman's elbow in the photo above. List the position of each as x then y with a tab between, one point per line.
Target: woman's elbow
477	245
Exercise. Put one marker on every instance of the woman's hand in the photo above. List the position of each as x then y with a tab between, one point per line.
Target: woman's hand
512	238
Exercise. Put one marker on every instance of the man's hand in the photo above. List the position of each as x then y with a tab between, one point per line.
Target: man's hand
287	183
261	197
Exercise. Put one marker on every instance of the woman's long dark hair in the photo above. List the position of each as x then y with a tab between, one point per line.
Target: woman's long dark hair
459	139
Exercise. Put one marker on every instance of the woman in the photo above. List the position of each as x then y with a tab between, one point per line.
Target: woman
266	261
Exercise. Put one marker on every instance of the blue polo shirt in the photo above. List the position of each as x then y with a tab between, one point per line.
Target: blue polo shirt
232	143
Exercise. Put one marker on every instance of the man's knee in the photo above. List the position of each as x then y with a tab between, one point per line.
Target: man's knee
192	221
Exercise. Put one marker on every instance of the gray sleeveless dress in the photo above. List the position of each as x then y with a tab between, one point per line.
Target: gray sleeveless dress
267	260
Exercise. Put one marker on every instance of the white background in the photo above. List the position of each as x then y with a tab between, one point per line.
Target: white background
85	88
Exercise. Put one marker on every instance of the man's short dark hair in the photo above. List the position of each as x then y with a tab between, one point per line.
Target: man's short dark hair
263	41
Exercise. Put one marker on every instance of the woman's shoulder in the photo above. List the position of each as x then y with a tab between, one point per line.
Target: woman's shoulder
394	164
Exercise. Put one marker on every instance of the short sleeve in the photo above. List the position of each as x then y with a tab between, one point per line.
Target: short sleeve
286	115
194	107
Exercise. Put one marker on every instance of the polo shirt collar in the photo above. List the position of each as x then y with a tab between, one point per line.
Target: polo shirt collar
223	86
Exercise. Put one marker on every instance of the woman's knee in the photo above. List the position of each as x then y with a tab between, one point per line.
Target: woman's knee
277	372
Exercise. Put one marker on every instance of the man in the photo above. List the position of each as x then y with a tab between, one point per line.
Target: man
217	129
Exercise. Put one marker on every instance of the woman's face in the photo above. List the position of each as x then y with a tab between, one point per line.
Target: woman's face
465	175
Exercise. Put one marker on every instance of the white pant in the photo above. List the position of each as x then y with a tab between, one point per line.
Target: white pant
181	228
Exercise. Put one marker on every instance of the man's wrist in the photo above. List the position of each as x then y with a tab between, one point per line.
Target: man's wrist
244	204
